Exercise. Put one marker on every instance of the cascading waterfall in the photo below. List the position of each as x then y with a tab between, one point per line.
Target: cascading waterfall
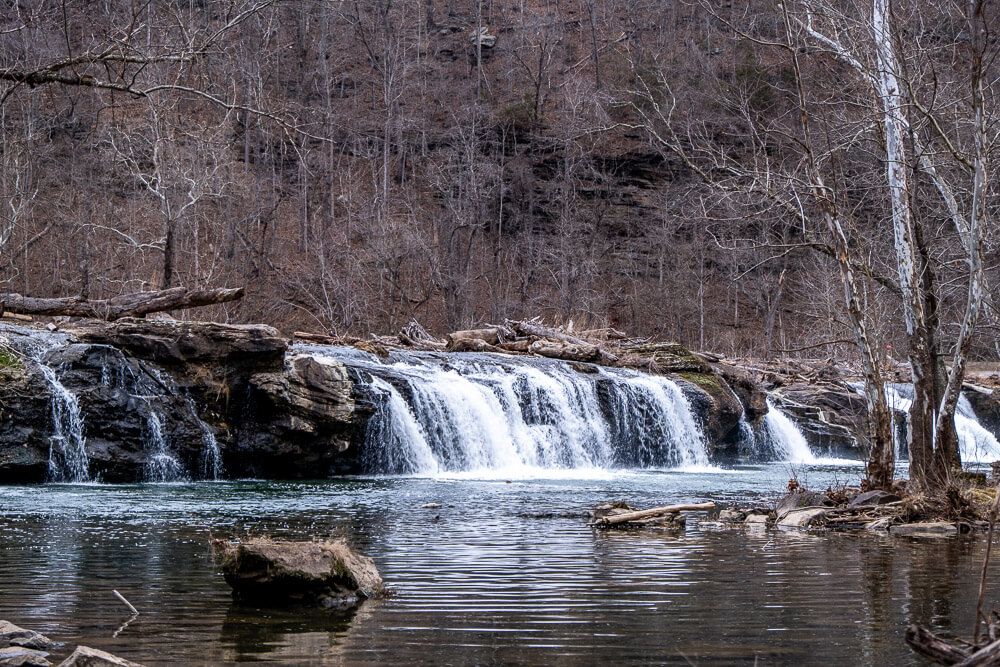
976	443
484	412
68	460
784	437
652	413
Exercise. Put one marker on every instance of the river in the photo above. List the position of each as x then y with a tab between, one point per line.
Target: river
485	578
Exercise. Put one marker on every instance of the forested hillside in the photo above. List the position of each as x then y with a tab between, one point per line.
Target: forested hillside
682	170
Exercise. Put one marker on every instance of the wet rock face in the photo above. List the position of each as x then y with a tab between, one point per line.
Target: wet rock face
155	397
832	417
717	406
25	423
301	421
329	574
124	401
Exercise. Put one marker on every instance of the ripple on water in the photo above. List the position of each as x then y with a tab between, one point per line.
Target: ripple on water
475	580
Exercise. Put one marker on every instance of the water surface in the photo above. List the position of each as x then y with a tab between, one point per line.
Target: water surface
482	579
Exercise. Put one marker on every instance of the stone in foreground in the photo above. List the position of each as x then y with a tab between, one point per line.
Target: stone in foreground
84	656
328	574
13	635
18	656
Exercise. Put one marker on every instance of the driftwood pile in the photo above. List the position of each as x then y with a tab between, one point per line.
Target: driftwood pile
956	652
608	347
620	515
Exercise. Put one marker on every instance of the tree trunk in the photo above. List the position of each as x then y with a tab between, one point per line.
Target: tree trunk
137	304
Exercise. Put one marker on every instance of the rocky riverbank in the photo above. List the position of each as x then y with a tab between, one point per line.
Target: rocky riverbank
159	400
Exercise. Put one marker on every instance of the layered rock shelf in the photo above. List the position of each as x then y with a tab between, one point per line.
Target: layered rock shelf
158	400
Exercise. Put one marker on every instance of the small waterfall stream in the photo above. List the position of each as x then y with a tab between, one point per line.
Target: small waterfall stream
786	440
68	461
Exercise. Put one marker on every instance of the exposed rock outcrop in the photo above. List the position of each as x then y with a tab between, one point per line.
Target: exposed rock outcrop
267	571
302	420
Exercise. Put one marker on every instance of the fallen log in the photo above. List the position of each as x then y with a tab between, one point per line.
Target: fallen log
987	656
539	331
929	645
136	304
516	345
319	339
572	352
613	519
415	335
463	340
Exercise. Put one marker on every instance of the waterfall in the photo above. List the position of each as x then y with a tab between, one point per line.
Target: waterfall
976	443
653	415
473	412
211	459
785	438
68	460
161	466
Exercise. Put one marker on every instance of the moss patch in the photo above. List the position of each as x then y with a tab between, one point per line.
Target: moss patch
10	361
707	381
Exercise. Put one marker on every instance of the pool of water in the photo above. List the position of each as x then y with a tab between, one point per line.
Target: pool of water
483	579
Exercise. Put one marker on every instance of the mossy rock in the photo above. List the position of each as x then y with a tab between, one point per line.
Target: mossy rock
10	362
670	357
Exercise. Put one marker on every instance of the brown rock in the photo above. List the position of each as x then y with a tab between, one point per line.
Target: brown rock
17	636
18	656
84	656
327	573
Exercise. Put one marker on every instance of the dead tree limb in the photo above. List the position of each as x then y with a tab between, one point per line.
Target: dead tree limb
136	304
656	511
929	645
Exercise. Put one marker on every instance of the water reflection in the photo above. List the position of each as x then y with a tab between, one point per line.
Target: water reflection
477	580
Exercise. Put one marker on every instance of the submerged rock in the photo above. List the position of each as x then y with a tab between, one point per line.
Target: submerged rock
18	656
13	635
84	656
929	529
329	573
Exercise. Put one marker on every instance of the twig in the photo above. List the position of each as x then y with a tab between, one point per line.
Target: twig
986	562
127	603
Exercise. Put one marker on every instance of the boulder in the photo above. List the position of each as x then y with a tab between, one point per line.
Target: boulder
84	656
832	416
929	529
801	498
717	406
16	636
329	574
756	519
18	656
873	498
303	421
802	518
